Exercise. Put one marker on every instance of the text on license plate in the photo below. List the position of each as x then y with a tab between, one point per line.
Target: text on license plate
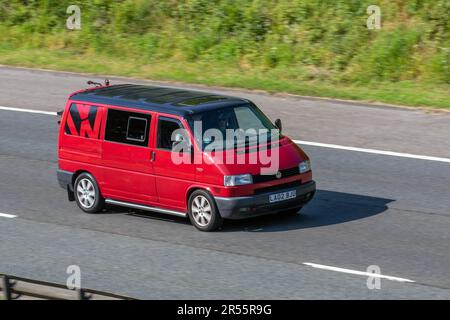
276	197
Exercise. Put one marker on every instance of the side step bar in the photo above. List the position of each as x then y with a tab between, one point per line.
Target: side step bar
146	208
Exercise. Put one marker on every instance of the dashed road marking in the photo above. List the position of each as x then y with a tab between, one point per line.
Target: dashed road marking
28	111
301	142
356	272
8	216
373	151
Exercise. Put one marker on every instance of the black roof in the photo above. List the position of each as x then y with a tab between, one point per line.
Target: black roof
152	98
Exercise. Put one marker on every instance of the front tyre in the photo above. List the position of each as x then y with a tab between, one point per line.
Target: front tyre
87	194
203	211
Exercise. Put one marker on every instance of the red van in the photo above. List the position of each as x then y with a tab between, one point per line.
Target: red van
123	145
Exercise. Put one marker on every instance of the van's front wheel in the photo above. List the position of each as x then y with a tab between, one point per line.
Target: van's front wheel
87	194
203	211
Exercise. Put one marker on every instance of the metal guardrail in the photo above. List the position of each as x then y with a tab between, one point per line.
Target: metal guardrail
16	288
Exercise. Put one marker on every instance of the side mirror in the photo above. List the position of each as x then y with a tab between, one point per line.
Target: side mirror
279	125
181	139
60	114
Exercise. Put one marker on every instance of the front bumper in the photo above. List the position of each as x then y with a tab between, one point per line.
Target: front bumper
258	205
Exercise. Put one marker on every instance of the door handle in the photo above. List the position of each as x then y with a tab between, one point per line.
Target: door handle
153	156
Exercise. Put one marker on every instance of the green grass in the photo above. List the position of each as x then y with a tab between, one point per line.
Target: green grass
406	93
307	47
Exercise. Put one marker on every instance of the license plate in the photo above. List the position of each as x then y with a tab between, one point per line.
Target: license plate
282	196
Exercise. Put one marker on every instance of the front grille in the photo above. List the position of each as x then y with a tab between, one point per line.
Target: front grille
285	173
292	184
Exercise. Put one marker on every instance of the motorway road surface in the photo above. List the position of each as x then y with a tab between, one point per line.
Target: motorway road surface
370	209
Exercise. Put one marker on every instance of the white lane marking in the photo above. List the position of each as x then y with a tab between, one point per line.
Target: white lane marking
308	143
373	151
8	216
360	273
28	111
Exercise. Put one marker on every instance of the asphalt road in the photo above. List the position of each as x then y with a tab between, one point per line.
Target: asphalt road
370	210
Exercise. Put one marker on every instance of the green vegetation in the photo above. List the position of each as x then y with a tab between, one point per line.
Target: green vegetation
308	47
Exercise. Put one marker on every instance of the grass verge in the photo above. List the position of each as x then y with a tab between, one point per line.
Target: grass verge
406	93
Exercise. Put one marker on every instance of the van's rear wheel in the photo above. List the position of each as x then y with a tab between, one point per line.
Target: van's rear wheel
203	211
87	194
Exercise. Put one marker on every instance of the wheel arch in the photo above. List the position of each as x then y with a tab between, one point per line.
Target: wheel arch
77	173
81	171
193	189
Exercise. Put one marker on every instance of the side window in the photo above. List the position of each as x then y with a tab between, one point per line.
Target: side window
136	129
84	121
166	126
127	127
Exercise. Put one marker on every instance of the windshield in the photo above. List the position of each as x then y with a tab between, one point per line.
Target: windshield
232	127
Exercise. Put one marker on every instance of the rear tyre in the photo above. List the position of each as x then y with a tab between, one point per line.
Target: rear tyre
87	194
203	211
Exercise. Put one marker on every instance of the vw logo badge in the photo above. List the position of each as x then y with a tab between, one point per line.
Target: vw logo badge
278	175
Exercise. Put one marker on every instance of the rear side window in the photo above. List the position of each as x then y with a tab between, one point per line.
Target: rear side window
84	121
127	127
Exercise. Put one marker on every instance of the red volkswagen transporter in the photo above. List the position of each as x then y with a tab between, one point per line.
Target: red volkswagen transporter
185	153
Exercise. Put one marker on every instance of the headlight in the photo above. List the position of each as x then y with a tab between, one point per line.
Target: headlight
304	166
231	181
